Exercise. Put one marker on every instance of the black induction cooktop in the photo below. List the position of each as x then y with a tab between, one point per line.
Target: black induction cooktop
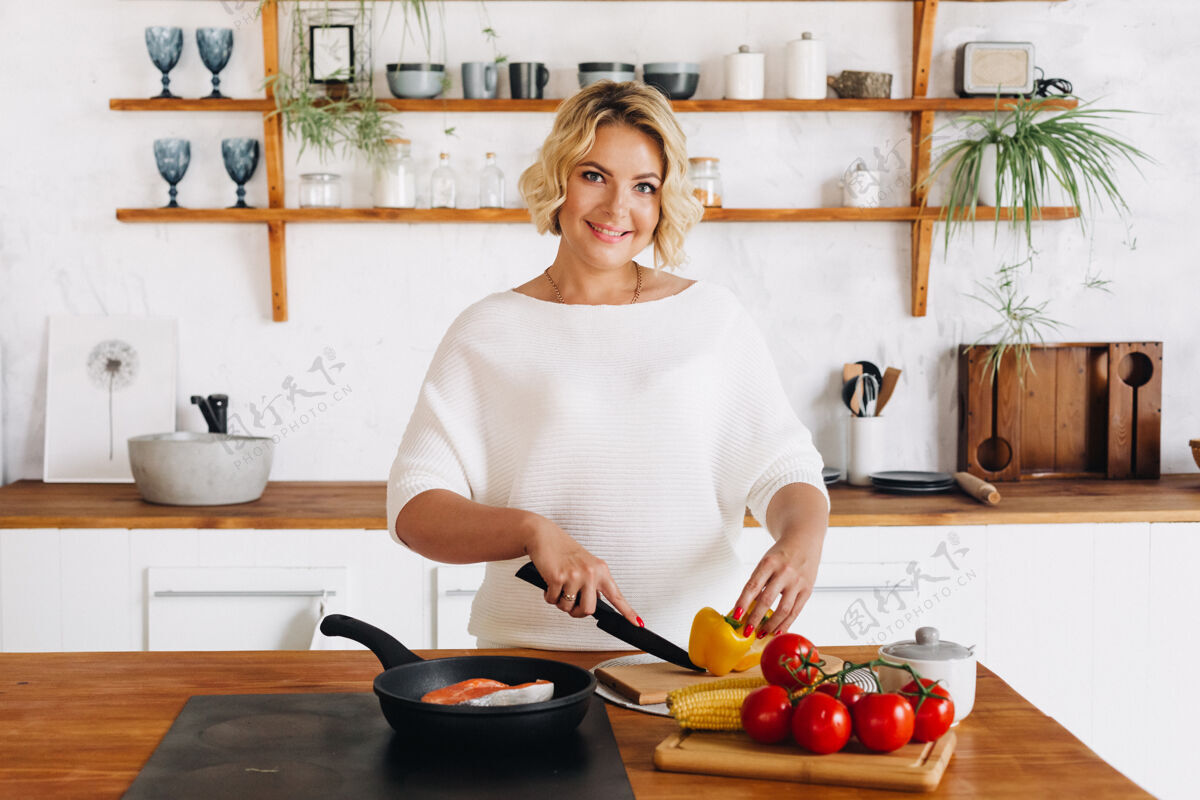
266	746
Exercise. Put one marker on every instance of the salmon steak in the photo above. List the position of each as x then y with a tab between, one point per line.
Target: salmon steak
487	692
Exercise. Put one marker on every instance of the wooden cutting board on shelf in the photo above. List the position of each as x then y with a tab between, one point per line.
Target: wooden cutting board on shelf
915	767
646	684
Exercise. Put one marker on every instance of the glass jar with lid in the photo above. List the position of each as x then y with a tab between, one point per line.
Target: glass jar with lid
705	175
396	180
320	190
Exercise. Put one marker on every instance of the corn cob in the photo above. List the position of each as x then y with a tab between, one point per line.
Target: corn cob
712	706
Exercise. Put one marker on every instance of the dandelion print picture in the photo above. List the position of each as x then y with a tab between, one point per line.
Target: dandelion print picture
111	366
108	378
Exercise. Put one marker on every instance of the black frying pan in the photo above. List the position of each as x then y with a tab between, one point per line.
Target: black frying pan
406	677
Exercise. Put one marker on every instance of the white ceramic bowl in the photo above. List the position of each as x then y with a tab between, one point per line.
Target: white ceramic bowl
200	469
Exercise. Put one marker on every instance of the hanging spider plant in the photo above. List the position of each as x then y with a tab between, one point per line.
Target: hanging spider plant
1022	322
1034	156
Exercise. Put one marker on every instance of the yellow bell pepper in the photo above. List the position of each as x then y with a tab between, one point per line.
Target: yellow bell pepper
718	644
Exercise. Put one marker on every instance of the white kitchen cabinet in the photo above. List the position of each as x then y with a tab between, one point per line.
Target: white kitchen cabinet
87	589
1167	657
241	608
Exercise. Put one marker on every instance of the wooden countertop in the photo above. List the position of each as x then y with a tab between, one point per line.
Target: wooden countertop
362	505
83	724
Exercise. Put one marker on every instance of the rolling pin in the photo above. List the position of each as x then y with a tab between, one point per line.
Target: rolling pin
978	488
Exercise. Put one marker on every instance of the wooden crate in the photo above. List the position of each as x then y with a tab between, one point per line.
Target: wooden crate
1085	410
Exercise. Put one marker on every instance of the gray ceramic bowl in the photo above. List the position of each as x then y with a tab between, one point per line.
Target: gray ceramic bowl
200	469
592	71
675	85
415	81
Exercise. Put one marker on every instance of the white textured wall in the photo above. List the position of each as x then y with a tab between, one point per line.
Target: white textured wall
380	296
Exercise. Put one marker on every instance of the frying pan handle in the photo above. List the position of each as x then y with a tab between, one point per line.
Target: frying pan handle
386	647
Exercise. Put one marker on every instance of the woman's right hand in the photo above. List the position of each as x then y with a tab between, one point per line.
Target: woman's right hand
574	577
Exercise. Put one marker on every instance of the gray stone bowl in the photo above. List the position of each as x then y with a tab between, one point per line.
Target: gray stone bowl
416	81
678	80
594	71
200	469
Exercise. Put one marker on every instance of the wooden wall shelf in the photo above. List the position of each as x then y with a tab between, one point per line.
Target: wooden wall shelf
520	215
922	108
548	106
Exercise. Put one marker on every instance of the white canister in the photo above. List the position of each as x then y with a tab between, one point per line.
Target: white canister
745	75
951	664
806	76
860	186
867	449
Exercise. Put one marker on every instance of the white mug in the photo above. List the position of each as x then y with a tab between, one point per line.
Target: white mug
745	75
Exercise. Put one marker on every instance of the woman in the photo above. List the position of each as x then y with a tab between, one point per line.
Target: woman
609	421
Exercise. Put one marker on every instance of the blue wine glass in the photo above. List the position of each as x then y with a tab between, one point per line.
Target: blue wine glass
215	45
172	157
165	45
241	159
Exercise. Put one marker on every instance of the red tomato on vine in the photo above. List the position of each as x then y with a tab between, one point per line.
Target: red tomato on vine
783	661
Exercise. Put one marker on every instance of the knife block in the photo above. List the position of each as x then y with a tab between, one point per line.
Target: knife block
1084	410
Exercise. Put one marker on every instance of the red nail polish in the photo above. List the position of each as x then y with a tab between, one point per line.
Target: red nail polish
761	634
640	623
737	613
748	631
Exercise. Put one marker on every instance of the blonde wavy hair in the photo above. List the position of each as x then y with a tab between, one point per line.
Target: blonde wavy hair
642	107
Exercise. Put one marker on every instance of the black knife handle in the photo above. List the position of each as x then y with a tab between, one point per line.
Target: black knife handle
529	573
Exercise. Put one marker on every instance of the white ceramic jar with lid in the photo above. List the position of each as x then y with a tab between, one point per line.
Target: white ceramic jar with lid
950	663
806	68
745	75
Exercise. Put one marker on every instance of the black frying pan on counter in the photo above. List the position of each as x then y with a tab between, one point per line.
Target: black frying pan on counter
407	677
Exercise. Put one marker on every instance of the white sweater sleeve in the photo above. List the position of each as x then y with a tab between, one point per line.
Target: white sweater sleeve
430	454
776	447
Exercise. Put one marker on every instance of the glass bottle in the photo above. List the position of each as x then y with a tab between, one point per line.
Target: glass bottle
396	181
491	184
443	188
705	175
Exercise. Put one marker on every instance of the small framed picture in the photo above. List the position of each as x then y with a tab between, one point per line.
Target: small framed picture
331	53
108	378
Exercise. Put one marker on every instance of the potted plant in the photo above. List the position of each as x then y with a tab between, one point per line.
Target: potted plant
1019	161
1023	160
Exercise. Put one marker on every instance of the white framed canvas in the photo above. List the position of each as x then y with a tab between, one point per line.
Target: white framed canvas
108	378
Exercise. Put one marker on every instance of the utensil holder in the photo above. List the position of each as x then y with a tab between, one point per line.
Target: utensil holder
868	439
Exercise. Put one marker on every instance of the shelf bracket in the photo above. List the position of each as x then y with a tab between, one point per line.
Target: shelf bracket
273	158
924	19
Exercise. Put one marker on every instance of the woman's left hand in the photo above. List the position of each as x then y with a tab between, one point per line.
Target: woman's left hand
788	570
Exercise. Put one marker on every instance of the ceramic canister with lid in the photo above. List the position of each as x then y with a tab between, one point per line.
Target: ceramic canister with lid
745	75
805	79
951	664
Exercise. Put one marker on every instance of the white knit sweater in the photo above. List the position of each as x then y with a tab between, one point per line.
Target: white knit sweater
643	430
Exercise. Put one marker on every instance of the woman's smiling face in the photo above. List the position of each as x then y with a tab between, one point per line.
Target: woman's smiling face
612	202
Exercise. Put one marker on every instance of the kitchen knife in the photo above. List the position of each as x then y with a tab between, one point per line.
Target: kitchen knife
609	620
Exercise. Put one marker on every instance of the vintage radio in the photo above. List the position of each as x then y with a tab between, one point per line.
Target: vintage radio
985	69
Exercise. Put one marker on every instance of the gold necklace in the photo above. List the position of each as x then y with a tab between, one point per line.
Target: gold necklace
637	291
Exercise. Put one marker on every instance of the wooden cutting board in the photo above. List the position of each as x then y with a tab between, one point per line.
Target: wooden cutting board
913	768
646	684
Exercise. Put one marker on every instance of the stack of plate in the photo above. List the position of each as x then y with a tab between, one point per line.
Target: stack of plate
910	482
831	475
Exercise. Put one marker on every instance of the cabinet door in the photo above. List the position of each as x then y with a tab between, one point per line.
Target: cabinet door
456	588
1040	597
241	608
1173	647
